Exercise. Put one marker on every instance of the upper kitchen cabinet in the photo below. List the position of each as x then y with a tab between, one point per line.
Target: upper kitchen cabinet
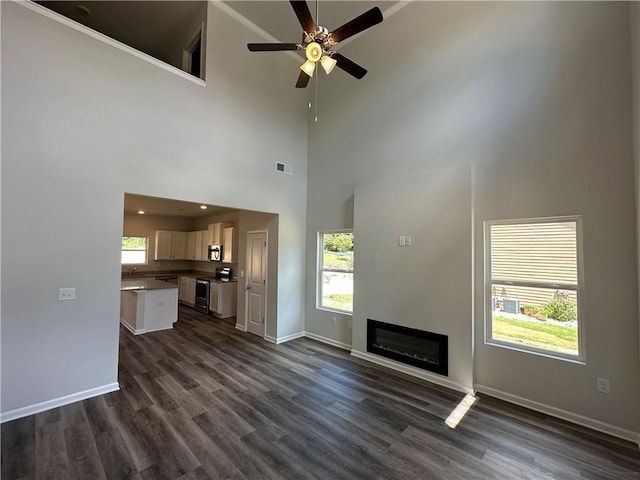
229	245
197	246
190	247
200	245
170	245
215	234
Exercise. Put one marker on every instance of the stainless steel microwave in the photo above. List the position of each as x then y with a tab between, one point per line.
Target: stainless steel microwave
215	253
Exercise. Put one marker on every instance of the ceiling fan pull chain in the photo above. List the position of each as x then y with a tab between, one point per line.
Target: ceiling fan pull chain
316	103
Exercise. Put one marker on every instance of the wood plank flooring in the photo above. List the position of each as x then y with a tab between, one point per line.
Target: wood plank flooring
205	401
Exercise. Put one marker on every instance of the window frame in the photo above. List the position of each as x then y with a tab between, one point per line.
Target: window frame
578	288
146	249
320	270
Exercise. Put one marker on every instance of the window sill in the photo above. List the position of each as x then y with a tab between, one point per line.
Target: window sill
534	351
334	310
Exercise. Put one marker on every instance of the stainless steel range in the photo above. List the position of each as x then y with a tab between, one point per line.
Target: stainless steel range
223	274
202	295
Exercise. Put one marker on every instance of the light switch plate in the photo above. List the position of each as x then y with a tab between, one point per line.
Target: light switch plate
401	241
407	241
66	294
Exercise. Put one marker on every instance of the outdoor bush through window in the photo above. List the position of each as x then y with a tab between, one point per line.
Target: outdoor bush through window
134	251
533	285
335	271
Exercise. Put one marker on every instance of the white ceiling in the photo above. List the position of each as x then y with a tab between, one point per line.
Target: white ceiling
154	27
168	207
278	18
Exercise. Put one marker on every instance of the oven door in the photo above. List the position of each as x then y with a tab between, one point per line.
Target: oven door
202	296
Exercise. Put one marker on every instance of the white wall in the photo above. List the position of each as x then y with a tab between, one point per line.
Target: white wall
82	124
425	285
536	97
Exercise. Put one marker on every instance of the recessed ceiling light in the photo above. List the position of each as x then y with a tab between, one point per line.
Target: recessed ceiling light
203	207
178	209
141	212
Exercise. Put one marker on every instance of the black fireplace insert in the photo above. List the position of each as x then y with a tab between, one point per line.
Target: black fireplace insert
418	348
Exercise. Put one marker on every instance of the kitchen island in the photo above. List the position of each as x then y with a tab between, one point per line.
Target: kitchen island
148	305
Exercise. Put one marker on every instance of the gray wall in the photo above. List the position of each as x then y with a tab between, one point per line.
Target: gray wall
536	98
82	123
425	285
635	63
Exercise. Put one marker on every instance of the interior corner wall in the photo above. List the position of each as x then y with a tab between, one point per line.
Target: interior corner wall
83	123
544	120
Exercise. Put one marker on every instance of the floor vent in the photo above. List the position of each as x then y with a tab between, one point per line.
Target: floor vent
284	168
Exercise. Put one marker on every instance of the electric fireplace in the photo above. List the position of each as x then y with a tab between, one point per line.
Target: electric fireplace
419	348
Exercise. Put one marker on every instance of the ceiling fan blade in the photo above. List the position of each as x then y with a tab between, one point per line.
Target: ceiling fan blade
349	66
304	15
303	80
271	47
367	20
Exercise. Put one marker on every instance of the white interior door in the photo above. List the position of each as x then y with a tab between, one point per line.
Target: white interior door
256	282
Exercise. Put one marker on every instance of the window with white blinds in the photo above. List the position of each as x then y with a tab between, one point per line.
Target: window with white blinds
533	285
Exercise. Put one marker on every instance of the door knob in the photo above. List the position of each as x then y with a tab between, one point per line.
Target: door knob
248	287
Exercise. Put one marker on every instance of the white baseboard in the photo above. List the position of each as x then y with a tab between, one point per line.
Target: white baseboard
131	329
414	372
287	338
242	328
57	402
562	414
328	341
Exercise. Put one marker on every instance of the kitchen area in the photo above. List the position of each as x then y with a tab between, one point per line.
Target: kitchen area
177	253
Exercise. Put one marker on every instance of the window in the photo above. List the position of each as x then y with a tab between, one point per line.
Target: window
335	271
533	286
134	251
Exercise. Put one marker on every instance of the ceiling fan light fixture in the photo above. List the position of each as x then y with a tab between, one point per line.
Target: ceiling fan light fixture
308	67
327	63
313	51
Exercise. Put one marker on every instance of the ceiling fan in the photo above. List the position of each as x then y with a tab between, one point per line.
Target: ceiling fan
318	42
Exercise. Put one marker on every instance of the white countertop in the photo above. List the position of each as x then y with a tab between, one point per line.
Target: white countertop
145	284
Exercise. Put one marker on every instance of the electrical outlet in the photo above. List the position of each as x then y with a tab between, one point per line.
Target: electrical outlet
335	320
402	241
66	294
603	385
349	324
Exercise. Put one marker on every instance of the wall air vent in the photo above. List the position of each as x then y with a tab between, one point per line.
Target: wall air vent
284	168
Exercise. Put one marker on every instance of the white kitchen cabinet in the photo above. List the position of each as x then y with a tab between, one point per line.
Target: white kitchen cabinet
196	245
190	247
223	299
170	245
200	245
229	245
187	290
215	234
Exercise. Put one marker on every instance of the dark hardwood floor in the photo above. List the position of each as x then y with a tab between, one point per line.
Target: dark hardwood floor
207	401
